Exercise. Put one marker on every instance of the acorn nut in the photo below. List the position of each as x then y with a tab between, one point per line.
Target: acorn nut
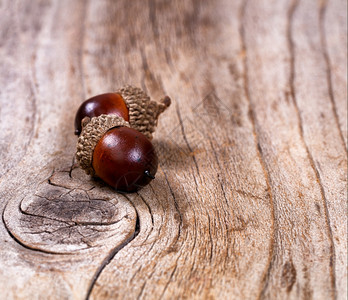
130	103
125	159
121	156
114	137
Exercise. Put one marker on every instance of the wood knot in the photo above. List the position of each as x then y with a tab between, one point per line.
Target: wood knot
68	214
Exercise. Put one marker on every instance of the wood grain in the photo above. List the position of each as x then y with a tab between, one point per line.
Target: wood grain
250	199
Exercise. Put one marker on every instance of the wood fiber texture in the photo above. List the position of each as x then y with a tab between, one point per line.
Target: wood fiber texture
250	199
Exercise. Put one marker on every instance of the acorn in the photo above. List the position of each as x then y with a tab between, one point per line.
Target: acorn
130	103
120	155
107	104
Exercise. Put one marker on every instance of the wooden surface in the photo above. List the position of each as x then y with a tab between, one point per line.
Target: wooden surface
250	200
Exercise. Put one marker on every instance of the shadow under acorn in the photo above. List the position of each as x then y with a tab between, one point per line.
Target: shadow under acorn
172	155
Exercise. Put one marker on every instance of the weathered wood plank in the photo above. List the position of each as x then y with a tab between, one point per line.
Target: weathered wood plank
322	133
250	198
47	249
333	30
211	244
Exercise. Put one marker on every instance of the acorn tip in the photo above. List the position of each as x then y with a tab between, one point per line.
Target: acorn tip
166	101
148	174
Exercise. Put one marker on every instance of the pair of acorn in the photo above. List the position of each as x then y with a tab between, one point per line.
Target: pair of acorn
114	132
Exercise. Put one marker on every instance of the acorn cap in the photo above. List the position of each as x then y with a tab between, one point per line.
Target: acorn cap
92	130
143	112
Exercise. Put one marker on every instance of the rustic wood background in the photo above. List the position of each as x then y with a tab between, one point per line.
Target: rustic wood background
250	200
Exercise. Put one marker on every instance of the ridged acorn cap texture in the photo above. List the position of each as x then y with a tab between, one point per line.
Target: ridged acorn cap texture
143	112
91	134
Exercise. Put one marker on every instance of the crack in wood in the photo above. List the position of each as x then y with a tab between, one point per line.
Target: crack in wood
185	139
322	12
291	47
252	118
288	277
112	255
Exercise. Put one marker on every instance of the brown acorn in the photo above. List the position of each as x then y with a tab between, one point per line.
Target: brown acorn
121	156
104	104
125	159
130	103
